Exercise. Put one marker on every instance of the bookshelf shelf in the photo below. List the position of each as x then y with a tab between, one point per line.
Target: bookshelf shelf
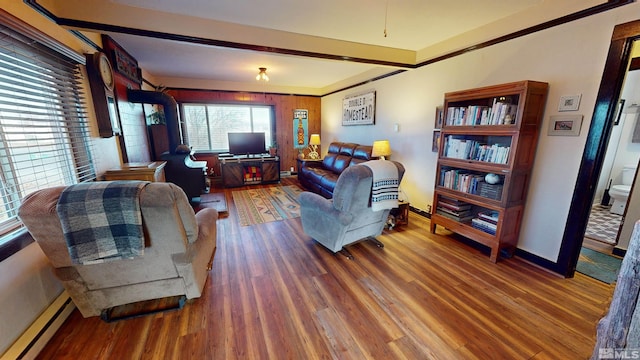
489	140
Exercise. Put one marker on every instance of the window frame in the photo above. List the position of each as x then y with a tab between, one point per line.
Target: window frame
183	124
19	238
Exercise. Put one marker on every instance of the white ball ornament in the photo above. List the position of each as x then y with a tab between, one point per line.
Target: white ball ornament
492	178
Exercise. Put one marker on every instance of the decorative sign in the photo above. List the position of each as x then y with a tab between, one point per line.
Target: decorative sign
359	109
300	128
127	66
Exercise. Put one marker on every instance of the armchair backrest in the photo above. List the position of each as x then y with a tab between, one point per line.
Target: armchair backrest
353	189
168	221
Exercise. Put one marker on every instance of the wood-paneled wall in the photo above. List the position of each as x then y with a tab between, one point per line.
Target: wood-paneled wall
283	105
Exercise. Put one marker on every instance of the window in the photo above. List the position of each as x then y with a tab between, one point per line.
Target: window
207	125
44	135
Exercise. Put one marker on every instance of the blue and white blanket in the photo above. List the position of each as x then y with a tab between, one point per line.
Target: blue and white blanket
384	190
101	220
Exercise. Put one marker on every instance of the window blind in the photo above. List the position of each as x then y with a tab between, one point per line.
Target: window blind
44	131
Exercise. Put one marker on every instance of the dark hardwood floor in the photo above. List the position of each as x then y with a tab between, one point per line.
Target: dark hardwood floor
274	293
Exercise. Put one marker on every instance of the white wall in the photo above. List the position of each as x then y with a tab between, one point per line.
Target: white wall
570	58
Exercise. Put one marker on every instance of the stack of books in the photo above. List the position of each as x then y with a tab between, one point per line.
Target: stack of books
490	191
486	221
454	209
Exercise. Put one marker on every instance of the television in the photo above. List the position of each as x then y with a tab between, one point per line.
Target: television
244	143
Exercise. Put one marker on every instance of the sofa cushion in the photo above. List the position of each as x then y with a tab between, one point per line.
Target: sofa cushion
341	163
361	154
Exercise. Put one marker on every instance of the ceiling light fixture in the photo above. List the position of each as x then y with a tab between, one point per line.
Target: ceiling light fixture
262	75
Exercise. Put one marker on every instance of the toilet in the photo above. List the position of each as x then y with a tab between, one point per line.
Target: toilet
620	193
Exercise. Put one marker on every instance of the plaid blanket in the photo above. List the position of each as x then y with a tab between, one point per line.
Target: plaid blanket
101	220
384	190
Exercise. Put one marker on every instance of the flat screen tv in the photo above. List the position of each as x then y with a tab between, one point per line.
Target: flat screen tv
246	143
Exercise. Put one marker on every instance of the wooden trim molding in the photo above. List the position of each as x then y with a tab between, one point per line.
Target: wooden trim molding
605	6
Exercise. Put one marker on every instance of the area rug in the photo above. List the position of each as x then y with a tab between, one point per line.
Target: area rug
216	201
267	204
599	266
603	225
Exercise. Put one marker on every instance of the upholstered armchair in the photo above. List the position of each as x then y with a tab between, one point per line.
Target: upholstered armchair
178	250
347	217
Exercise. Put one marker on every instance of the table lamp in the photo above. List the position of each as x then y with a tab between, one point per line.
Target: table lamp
314	141
381	148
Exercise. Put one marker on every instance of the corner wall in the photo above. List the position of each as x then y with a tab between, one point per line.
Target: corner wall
569	57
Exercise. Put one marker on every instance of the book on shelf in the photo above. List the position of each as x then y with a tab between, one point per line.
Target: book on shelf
491	216
459	218
453	207
501	112
460	180
468	149
484	226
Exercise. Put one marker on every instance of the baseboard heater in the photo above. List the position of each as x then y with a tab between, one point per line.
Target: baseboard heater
33	340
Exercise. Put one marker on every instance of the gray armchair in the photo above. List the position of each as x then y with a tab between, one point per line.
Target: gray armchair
347	217
179	246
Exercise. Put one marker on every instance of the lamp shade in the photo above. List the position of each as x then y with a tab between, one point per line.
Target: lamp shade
381	148
314	139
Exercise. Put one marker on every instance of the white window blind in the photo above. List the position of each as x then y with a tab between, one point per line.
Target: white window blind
44	134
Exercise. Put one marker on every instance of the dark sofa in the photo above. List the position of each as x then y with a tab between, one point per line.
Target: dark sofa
320	177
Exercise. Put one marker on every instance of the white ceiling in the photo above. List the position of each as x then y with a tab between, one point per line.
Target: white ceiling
416	30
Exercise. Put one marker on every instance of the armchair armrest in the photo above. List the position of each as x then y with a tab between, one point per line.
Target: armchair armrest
199	254
311	163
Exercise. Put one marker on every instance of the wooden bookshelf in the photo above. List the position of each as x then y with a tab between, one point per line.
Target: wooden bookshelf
490	130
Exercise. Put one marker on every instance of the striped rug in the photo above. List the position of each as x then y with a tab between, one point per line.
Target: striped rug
261	205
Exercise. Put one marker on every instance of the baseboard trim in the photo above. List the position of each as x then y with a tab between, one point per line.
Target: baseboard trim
33	340
420	212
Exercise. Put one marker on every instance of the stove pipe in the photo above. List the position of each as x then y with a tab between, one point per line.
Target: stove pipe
170	107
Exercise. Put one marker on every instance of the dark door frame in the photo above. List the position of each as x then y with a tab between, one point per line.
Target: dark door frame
595	148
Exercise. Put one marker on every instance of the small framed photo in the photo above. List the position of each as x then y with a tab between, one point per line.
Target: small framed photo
439	117
569	103
565	125
435	144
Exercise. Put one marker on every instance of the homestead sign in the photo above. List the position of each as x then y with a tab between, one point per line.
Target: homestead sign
359	109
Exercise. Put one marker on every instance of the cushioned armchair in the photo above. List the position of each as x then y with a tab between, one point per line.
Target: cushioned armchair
347	217
179	246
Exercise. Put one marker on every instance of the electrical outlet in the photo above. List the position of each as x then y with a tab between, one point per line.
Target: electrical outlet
428	209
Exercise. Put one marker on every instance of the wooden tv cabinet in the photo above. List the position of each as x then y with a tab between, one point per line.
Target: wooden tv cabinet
248	170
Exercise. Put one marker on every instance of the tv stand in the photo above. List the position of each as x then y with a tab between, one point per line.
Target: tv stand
250	170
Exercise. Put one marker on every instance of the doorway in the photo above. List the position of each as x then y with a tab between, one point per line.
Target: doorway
618	169
618	58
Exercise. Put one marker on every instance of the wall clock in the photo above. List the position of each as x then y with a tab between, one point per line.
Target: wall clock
102	82
106	71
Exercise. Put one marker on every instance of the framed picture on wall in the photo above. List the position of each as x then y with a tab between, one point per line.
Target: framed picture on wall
439	117
359	109
435	143
565	125
569	103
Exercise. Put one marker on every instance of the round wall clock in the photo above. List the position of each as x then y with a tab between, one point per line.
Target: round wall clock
105	70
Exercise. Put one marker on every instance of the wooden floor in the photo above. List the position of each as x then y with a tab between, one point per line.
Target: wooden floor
274	293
